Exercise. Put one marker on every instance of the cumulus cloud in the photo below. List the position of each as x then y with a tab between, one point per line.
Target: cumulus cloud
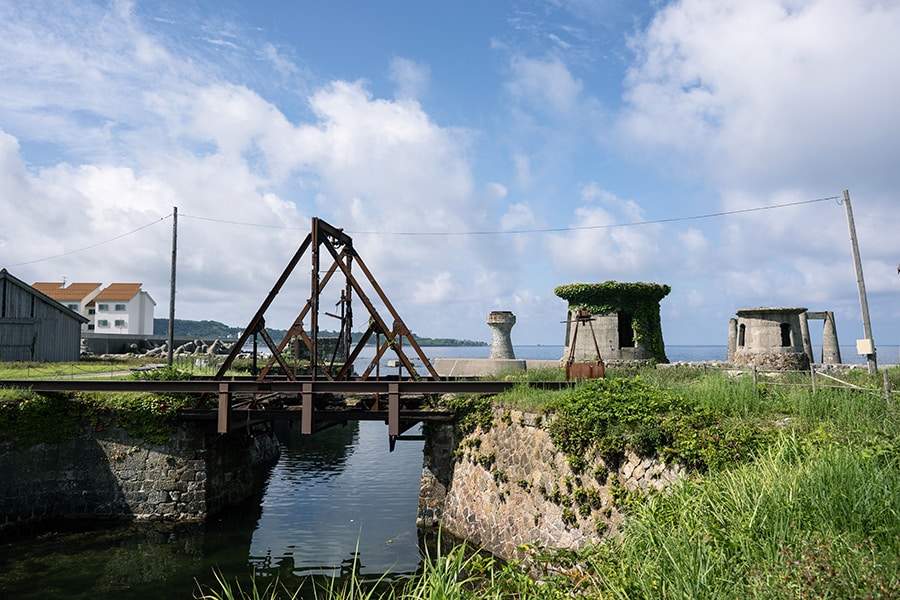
599	248
410	77
776	102
784	92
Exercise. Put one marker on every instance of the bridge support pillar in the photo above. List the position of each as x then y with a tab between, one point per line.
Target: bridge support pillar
306	418
224	408
393	410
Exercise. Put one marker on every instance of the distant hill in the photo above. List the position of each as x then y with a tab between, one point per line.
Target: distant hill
214	330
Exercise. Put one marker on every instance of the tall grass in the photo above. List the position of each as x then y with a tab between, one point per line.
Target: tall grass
814	512
769	529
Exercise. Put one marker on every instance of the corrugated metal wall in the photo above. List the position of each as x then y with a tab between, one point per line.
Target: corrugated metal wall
32	329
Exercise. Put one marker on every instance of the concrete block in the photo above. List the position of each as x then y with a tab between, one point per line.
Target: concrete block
475	367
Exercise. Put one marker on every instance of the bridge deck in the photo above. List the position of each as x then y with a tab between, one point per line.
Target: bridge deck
317	404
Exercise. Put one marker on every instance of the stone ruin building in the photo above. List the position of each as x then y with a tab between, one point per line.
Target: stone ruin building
623	318
778	338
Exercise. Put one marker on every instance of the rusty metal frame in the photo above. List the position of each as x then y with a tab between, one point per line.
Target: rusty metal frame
339	247
584	370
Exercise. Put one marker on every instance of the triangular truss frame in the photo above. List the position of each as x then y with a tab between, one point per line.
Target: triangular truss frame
339	246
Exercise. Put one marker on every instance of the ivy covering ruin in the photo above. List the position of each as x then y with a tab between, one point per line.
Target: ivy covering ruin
639	299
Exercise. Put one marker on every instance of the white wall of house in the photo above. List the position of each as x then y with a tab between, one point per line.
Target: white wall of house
134	317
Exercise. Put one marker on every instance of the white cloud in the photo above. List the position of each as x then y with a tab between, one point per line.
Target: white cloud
410	77
784	92
545	84
777	102
598	249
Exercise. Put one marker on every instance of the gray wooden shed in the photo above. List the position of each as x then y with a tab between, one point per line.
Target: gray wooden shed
35	327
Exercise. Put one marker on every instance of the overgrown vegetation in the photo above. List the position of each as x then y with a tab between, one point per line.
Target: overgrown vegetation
795	492
638	299
28	418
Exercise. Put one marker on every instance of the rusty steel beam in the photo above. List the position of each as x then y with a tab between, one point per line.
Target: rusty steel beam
259	318
282	386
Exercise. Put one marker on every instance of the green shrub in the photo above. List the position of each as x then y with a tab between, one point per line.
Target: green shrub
33	418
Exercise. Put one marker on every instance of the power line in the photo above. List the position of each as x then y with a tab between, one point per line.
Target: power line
439	233
227	222
543	230
70	252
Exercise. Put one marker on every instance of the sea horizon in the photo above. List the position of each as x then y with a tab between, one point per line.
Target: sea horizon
887	355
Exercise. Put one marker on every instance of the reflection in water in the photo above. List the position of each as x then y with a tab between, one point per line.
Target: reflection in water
340	499
336	503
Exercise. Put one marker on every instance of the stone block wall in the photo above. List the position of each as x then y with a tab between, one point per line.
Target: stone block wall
109	474
509	486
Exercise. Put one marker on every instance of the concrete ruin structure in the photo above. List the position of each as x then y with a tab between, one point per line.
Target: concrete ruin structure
778	338
501	323
624	323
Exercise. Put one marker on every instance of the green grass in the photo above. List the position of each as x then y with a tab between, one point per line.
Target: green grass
794	493
768	529
65	370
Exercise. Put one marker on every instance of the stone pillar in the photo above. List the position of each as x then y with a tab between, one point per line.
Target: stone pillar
438	465
831	351
804	335
501	323
732	339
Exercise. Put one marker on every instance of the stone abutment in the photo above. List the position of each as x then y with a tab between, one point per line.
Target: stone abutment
109	474
509	486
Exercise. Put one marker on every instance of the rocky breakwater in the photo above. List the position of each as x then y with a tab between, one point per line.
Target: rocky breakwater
192	348
505	487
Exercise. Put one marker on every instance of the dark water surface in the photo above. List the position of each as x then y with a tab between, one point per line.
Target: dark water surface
335	502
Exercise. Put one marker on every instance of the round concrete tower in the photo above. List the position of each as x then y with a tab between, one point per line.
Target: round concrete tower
501	323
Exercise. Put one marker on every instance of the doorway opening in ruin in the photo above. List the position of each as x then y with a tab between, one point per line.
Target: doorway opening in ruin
742	331
626	331
786	334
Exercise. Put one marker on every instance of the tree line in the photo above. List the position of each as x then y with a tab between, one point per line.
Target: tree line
209	330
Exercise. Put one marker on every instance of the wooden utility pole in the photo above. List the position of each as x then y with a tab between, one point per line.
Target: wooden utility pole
866	346
171	334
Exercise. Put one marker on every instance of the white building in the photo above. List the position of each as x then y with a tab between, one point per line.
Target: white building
119	308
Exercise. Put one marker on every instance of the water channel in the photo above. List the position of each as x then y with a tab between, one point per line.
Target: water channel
336	501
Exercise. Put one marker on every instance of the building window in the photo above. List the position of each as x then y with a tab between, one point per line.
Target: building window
102	323
103	307
90	326
121	323
626	331
120	307
72	307
91	311
742	332
786	335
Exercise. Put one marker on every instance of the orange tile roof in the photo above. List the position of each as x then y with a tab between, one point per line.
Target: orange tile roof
74	291
46	286
119	291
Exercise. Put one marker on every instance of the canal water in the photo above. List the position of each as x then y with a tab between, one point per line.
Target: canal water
336	502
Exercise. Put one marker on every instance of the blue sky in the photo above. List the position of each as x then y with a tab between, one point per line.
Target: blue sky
479	153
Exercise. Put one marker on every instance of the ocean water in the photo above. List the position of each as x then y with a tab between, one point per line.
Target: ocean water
887	355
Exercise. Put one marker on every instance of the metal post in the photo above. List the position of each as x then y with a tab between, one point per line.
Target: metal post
861	284
314	300
171	333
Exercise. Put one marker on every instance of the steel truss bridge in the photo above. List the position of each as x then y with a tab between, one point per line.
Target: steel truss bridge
332	393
